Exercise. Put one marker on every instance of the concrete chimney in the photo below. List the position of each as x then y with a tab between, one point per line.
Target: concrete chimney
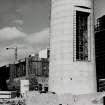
72	58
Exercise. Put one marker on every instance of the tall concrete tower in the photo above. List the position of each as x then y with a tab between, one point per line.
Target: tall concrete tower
72	58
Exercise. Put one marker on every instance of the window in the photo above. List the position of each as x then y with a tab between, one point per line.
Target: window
81	36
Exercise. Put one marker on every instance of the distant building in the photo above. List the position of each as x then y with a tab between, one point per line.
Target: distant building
4	75
45	53
33	68
100	52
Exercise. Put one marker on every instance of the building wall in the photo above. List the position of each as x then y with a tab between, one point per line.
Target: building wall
100	52
33	68
66	75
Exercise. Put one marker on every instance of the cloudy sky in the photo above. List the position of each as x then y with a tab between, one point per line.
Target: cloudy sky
99	8
24	23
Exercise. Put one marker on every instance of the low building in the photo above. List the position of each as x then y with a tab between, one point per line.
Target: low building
33	68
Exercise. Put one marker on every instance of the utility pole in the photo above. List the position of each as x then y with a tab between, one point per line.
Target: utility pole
15	52
13	68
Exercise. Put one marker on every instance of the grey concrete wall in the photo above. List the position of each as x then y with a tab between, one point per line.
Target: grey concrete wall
66	75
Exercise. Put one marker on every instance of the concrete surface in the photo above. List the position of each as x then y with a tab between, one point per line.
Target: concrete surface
33	98
65	74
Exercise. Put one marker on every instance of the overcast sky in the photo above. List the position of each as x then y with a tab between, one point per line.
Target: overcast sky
99	8
24	23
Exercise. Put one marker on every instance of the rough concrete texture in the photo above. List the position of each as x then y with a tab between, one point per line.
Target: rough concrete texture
64	99
65	74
